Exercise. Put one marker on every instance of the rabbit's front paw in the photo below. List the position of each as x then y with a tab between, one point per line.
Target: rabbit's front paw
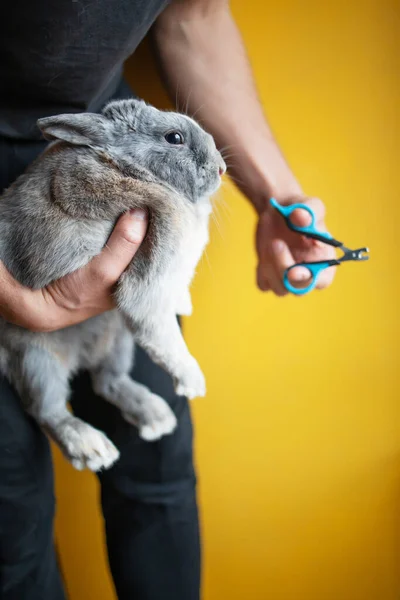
191	382
184	307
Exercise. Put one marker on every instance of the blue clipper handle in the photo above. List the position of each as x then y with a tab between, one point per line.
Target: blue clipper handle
309	230
314	268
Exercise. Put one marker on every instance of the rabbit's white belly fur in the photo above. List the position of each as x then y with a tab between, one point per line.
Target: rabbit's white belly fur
193	244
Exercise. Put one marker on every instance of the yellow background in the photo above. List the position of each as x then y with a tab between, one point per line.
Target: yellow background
298	440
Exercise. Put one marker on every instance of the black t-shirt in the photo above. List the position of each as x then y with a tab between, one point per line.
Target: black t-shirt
64	56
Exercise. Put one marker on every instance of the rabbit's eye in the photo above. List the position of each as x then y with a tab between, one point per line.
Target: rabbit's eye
174	137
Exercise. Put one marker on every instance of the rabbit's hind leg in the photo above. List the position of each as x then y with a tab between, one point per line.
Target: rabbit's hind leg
111	380
42	382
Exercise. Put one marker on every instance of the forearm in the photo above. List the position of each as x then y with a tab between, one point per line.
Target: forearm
206	70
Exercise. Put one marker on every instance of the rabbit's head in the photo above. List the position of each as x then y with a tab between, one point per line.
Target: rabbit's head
170	146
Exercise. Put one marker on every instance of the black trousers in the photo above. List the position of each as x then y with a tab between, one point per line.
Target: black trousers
148	497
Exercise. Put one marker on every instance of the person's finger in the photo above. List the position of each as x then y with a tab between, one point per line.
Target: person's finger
302	218
280	259
302	277
121	246
325	278
299	275
262	278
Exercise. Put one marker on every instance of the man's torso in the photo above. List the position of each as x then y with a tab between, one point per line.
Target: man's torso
64	56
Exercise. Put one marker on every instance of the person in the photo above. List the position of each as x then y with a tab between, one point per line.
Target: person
68	56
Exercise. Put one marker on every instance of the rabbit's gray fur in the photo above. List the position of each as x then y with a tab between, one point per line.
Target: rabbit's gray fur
58	215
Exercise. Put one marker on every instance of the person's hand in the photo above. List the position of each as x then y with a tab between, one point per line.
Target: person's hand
80	295
279	248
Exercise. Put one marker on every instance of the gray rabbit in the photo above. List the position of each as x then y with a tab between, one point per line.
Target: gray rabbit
59	214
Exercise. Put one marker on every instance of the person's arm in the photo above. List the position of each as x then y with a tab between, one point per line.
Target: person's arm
205	63
205	67
80	295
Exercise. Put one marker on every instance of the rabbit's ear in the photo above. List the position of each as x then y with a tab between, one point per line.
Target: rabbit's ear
83	129
125	111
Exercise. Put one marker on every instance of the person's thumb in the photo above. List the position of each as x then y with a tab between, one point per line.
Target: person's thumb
121	246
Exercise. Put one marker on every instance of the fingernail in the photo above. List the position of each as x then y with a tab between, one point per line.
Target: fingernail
301	274
139	213
137	228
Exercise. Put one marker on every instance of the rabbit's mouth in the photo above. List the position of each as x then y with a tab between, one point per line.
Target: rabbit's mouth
210	175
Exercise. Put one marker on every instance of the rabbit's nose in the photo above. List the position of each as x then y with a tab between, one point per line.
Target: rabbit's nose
222	168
